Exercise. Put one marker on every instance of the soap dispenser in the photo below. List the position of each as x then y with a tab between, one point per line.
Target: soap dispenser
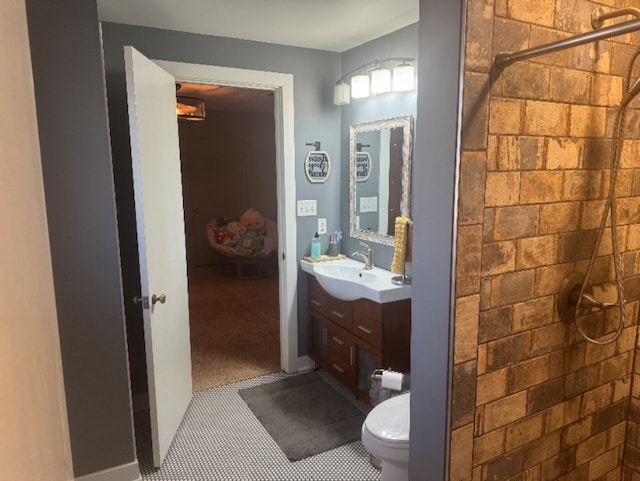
316	247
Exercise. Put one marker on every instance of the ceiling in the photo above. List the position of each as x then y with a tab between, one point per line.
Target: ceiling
333	25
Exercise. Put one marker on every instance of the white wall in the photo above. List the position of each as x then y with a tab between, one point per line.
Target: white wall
34	435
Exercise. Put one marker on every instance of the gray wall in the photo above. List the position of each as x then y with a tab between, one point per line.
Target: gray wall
401	43
434	204
74	141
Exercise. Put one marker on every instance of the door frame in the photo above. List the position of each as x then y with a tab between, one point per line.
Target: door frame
282	86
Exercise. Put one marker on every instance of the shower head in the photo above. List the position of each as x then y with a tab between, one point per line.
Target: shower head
633	90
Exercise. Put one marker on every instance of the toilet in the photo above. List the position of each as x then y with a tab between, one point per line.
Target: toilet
385	434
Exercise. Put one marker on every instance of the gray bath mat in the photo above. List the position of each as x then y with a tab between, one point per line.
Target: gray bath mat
304	415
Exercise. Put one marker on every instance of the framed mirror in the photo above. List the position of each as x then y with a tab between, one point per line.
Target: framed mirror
379	177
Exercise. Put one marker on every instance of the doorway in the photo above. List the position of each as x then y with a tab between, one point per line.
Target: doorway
282	87
229	176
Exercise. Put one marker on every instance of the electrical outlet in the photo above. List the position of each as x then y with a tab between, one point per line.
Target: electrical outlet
307	208
322	226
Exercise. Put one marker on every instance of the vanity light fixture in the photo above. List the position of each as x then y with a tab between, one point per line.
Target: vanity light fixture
395	74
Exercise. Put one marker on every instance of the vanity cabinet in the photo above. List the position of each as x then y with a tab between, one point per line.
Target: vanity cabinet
350	339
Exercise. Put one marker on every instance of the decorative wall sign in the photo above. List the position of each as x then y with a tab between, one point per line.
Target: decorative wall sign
317	166
363	166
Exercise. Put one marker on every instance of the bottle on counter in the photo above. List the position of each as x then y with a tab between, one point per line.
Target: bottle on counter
316	247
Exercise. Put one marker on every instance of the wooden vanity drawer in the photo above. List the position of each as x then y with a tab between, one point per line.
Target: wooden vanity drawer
369	308
368	329
340	312
340	341
340	368
319	301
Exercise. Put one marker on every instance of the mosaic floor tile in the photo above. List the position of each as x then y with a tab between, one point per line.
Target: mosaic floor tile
220	439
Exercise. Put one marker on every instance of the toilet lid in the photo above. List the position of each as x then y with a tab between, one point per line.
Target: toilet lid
389	420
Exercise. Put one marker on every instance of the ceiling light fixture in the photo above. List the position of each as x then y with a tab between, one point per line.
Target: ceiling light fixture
393	74
189	108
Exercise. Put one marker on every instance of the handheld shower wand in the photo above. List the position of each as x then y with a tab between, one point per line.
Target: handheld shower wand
632	91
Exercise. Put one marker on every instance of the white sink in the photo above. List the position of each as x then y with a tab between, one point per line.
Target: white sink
347	279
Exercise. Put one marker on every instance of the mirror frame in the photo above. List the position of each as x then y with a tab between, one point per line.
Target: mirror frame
406	122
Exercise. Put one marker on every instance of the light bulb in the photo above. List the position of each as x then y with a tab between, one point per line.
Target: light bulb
403	78
380	81
342	94
360	86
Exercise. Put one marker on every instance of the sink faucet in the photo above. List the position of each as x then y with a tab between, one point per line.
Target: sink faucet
366	255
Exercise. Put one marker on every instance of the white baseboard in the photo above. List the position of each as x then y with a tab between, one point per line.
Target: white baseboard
125	472
305	363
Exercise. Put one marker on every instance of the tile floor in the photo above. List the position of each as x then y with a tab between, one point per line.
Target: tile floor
220	439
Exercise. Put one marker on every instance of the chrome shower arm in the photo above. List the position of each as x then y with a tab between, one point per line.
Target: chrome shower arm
599	15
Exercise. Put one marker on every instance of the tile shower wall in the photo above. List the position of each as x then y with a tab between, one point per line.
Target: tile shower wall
532	401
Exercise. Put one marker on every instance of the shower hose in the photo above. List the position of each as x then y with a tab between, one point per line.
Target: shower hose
610	207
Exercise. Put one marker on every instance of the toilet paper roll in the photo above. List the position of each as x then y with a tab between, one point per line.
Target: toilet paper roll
392	380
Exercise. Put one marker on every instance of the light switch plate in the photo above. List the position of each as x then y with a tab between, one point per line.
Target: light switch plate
369	204
307	208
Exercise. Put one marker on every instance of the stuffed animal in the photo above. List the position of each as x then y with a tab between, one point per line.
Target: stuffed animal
235	229
250	244
253	221
220	235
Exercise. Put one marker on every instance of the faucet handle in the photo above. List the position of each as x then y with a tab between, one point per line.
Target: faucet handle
363	244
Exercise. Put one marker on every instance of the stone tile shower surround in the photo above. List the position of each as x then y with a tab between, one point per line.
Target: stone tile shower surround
532	401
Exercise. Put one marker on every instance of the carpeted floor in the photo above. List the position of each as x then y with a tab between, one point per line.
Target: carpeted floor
235	332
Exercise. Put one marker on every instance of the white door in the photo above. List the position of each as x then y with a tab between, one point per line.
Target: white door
161	245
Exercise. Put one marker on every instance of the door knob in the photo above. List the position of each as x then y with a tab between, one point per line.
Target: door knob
161	299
